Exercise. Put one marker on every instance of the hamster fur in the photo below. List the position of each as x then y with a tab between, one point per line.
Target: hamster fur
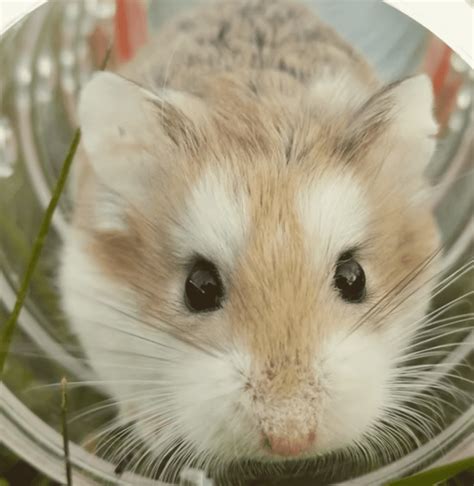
250	135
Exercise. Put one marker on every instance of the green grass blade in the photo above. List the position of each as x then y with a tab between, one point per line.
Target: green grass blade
6	334
64	405
436	475
7	331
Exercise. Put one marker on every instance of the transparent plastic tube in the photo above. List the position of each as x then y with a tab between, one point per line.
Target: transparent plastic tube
45	60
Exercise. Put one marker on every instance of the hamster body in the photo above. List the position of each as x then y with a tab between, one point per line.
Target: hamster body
249	254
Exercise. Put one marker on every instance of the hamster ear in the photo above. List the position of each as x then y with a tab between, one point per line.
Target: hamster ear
128	132
398	120
413	114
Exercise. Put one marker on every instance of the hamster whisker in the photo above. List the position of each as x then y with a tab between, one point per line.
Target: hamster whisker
112	424
392	445
434	333
434	337
414	421
144	416
412	349
424	382
78	384
440	328
396	304
414	378
112	364
369	448
425	399
123	436
417	367
127	450
129	315
423	421
401	427
426	388
112	402
166	441
411	352
400	435
389	440
414	325
419	399
435	325
176	456
107	444
159	460
359	451
438	288
150	462
162	393
165	327
455	274
439	350
432	330
445	307
413	387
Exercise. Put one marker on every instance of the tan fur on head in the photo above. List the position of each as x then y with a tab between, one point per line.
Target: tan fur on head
254	168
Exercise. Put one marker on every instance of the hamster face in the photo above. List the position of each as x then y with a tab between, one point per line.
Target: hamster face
245	273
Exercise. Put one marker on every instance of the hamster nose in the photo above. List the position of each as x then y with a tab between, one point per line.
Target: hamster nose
289	447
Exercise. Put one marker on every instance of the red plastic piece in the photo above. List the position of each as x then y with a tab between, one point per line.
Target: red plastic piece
437	63
446	83
131	28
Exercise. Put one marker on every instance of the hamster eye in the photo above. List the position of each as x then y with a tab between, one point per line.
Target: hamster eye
349	279
203	288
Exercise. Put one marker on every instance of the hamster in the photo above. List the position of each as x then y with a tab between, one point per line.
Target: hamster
251	250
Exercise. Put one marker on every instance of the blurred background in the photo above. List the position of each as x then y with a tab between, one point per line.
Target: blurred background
45	59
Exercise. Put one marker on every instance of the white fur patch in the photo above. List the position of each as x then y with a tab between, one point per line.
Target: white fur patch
334	212
215	220
356	369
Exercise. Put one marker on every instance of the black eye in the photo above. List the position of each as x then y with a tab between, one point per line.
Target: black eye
349	279
203	289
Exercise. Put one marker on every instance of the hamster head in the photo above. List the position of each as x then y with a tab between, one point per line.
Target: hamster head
247	264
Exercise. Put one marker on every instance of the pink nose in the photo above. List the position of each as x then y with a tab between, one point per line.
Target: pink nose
290	447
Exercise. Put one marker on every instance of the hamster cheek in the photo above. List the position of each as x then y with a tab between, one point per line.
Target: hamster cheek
208	406
355	372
